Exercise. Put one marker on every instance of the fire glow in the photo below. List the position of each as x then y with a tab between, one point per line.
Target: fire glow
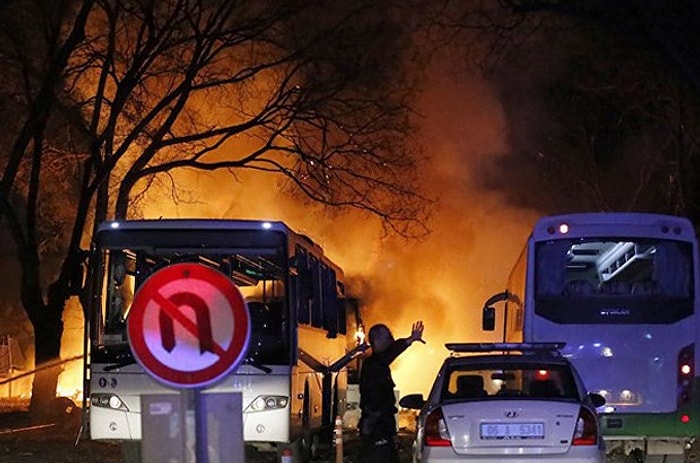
442	280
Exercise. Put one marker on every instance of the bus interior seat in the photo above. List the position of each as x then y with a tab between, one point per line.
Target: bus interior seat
614	287
646	288
578	287
544	388
470	386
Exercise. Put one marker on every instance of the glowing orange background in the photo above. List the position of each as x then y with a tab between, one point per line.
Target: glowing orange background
442	280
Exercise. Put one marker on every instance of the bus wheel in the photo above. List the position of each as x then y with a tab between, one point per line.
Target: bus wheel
305	449
301	450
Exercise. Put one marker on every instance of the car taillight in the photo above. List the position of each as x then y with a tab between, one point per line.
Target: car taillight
586	432
686	374
435	430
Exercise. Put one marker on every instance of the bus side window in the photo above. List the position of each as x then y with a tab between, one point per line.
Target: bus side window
672	270
316	295
120	292
343	308
303	287
330	302
551	267
144	268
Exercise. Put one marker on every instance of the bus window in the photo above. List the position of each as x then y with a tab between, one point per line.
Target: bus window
303	286
551	267
267	340
316	295
672	270
613	268
583	281
120	295
331	307
343	307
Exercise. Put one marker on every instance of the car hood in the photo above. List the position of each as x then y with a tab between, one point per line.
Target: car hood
512	426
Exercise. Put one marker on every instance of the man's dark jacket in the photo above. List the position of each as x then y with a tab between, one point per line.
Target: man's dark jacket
377	399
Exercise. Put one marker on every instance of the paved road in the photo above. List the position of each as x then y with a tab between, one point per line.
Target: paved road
328	455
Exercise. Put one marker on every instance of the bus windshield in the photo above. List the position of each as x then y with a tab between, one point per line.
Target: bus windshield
258	272
611	280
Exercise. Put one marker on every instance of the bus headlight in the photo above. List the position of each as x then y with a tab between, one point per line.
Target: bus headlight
268	402
107	401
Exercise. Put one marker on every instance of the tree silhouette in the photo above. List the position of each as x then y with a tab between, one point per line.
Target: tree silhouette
122	93
600	95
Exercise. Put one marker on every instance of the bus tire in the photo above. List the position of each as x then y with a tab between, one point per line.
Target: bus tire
305	447
300	450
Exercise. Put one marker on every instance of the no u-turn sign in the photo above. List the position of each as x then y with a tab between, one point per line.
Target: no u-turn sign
189	325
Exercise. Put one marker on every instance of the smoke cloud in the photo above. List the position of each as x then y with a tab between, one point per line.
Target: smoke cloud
442	279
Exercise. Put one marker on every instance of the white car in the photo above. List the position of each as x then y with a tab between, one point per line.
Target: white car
505	402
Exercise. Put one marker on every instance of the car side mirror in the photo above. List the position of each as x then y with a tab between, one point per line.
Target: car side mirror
414	401
488	319
597	399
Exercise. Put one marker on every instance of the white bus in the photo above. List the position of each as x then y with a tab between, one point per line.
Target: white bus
293	377
621	289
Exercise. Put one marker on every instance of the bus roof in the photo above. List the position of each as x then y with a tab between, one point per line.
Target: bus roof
193	224
613	224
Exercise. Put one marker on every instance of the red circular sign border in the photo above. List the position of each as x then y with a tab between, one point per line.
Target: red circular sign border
239	341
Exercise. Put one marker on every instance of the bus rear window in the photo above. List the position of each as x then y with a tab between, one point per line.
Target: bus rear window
614	281
608	267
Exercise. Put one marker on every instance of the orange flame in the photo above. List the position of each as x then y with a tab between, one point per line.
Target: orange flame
442	280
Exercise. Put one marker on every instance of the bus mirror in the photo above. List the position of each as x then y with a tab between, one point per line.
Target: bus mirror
78	274
488	319
597	399
77	279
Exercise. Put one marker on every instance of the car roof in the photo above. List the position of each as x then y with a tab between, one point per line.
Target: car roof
525	347
549	353
506	359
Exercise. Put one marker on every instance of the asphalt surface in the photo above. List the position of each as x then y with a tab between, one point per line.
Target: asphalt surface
59	442
22	441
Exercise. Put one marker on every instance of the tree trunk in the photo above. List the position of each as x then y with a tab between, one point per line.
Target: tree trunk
48	332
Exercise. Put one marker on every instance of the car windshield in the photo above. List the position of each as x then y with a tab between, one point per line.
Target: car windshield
507	380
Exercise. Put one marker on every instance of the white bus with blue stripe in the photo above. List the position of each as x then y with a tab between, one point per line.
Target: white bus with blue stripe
621	289
293	378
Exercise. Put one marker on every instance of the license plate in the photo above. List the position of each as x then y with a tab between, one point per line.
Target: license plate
512	430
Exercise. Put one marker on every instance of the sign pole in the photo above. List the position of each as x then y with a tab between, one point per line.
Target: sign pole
186	456
189	327
200	426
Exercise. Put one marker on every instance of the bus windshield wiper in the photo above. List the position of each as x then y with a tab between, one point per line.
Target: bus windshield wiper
121	364
254	363
123	358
